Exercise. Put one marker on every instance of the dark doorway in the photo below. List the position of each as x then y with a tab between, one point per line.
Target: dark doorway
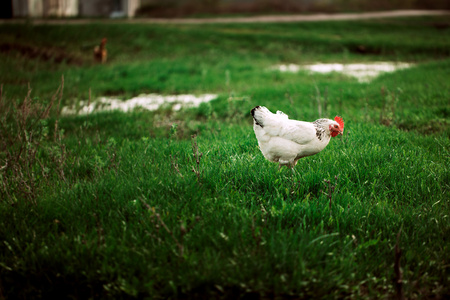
6	9
117	5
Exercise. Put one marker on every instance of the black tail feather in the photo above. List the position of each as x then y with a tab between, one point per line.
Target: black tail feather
253	115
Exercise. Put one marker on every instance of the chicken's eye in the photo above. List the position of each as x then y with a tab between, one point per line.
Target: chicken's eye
335	126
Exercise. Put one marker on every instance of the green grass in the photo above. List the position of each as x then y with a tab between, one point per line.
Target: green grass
116	205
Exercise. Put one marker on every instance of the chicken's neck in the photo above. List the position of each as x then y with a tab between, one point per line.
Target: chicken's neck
321	128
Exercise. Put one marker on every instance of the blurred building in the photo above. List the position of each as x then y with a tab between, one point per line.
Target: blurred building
68	8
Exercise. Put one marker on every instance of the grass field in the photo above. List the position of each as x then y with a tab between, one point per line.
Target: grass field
183	205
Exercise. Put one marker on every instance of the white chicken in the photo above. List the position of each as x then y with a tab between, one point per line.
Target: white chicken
285	141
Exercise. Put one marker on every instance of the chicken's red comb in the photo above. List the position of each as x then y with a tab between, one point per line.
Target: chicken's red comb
340	122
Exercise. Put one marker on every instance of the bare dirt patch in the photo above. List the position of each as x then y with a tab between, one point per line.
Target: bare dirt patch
54	54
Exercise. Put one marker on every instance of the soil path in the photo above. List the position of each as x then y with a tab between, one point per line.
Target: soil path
255	19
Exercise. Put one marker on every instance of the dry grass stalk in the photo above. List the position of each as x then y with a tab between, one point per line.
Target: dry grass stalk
330	190
23	137
183	231
197	157
398	274
174	163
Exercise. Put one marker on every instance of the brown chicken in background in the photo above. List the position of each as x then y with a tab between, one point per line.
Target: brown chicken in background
100	52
